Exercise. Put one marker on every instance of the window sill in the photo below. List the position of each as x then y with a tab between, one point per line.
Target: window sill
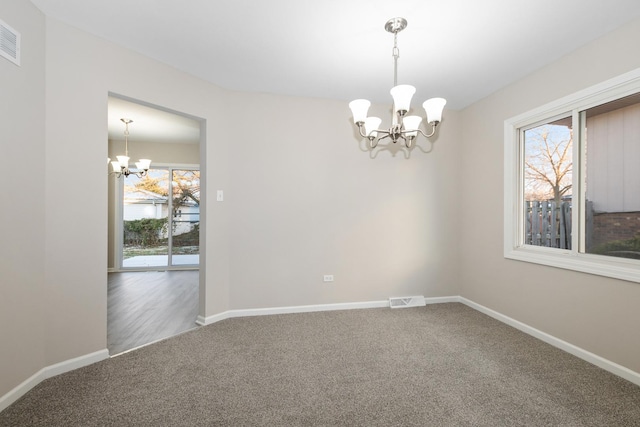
616	268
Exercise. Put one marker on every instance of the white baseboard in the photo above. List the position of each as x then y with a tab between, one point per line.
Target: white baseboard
288	310
441	300
209	320
21	389
75	363
48	372
583	354
308	308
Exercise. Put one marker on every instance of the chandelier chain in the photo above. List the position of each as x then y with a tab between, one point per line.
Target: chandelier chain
396	55
126	138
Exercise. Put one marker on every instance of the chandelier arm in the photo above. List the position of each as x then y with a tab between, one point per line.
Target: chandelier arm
388	135
379	131
408	140
360	127
430	134
126	172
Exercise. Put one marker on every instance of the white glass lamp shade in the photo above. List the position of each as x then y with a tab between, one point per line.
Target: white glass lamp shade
359	109
143	164
433	107
371	125
402	95
123	160
116	166
411	125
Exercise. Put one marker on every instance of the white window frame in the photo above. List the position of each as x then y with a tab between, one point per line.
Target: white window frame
572	259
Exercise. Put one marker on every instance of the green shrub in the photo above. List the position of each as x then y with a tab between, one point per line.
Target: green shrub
191	238
628	248
145	232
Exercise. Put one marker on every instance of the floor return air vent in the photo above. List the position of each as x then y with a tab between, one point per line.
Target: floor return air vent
400	302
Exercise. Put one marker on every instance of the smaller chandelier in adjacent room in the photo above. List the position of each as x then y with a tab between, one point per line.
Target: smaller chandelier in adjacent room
121	166
403	127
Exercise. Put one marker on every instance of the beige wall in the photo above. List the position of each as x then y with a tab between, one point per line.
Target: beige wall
22	211
308	201
598	314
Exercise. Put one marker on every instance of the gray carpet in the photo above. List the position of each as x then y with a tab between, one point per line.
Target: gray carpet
440	365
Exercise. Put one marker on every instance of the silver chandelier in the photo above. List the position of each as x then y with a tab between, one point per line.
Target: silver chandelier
402	127
121	166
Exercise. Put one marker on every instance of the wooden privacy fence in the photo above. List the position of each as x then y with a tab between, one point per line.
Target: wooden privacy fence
548	224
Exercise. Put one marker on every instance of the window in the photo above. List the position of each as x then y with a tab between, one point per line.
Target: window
572	181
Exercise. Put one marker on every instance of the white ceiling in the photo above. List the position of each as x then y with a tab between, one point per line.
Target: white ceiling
150	124
462	50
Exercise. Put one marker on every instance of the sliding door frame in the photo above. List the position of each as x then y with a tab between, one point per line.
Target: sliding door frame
119	228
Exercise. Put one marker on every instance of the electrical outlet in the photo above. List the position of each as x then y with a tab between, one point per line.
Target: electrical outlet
328	278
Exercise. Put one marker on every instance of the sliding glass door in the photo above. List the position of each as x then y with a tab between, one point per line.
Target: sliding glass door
185	229
160	219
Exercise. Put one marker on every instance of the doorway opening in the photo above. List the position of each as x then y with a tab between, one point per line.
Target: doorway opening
154	226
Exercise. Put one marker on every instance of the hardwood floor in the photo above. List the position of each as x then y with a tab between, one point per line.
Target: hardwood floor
143	307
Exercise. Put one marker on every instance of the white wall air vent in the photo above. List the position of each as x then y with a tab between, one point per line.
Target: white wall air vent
9	43
401	302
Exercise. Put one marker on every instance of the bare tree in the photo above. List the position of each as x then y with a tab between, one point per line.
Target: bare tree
155	184
185	185
548	162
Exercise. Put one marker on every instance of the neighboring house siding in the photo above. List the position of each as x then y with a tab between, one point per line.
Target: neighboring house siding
144	210
613	159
